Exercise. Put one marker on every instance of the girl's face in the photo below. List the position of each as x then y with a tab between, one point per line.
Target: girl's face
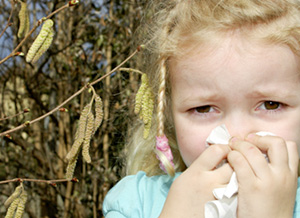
247	86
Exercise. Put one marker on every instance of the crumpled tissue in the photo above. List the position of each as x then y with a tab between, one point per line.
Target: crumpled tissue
226	204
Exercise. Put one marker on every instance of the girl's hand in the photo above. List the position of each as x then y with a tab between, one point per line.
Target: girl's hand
265	189
193	188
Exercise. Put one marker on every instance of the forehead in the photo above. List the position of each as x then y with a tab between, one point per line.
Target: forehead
232	47
245	37
242	60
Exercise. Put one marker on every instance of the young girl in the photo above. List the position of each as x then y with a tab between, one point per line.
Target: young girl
213	62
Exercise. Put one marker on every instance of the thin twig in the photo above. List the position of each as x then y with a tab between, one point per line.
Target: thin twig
131	70
50	182
10	16
38	23
15	115
116	68
70	98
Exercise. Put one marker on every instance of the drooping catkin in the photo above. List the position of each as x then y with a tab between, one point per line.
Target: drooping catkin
87	138
144	104
83	121
148	115
141	112
88	124
42	41
140	93
71	166
147	128
14	195
44	47
80	133
12	208
24	20
21	204
98	112
74	149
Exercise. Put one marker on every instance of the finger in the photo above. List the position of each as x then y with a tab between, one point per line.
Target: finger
254	157
225	173
274	146
293	156
241	166
211	157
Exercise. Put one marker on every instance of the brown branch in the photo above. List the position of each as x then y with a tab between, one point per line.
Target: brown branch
27	123
116	68
10	16
38	23
50	182
15	115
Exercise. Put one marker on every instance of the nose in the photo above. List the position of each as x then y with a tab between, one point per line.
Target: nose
240	124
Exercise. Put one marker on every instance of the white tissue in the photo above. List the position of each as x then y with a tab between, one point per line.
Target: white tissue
218	135
226	204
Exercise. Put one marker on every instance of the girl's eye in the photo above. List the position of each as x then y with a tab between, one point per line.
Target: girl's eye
270	105
203	109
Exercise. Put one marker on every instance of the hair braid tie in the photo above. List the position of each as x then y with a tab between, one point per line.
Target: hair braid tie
163	146
163	150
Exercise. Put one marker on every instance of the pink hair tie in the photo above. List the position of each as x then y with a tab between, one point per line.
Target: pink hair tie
163	146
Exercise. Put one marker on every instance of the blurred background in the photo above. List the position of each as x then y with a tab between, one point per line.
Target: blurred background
90	39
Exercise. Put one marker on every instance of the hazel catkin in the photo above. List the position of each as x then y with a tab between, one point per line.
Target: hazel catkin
13	196
21	204
80	133
141	93
45	46
24	20
12	208
147	118
88	124
144	104
71	166
41	43
87	138
98	112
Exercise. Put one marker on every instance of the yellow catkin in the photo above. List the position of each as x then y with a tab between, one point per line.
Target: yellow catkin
24	20
98	112
44	47
141	113
140	93
80	133
145	106
12	208
147	128
44	34
146	112
71	167
27	25
87	138
75	147
14	195
83	121
21	204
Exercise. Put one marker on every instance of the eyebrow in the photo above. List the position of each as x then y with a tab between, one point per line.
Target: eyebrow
267	93
202	97
272	92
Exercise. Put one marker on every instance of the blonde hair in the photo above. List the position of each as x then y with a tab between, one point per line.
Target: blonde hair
174	28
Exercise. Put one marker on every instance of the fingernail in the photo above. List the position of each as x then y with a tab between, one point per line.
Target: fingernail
233	140
250	136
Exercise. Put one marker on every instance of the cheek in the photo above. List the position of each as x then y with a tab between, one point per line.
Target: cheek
289	129
292	134
190	145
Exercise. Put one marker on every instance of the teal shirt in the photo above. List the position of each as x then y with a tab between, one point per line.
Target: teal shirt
140	196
